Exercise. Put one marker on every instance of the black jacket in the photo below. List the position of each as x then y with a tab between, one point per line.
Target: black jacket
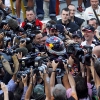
71	26
78	21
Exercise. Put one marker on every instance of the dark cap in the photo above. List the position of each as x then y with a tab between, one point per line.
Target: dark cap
60	28
77	34
88	28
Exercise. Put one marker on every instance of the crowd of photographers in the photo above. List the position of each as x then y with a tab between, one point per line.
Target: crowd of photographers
57	60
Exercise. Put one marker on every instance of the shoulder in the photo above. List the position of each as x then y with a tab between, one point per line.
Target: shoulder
78	20
59	21
73	25
37	20
89	8
83	43
23	24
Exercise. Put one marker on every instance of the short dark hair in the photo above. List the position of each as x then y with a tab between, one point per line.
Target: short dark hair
81	87
37	32
51	22
30	9
92	20
65	9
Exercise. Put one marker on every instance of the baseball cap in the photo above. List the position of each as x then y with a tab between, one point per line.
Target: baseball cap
60	28
88	28
77	34
39	92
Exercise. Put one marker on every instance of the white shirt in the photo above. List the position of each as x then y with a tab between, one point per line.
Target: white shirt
88	14
84	43
7	3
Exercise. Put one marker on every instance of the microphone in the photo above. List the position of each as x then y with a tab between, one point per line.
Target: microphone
23	50
13	24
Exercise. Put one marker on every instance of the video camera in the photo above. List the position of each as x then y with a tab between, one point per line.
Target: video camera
37	63
78	52
75	50
27	40
31	26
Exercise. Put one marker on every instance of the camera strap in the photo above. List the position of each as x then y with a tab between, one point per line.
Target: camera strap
85	74
96	16
7	66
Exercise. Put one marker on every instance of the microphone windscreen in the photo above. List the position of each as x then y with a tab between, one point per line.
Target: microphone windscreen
13	24
23	50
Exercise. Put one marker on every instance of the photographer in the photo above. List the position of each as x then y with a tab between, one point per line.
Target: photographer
38	91
31	19
95	74
59	91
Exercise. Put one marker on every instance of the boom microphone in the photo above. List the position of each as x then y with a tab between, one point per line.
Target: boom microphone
23	50
13	24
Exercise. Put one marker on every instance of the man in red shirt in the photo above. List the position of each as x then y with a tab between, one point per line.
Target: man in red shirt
31	19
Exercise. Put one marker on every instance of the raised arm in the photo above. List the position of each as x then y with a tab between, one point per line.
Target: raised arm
30	87
94	74
47	86
5	90
52	78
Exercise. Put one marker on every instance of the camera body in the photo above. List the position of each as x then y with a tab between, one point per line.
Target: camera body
75	50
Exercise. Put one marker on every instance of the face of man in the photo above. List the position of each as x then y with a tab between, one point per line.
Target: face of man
30	15
94	3
77	39
93	23
52	32
43	40
72	10
88	35
38	38
65	15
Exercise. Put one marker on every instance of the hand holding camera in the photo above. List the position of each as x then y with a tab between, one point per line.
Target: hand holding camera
24	80
22	44
54	65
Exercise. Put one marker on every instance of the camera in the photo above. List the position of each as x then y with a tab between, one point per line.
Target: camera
9	51
79	53
86	58
23	73
40	65
28	40
3	22
75	50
